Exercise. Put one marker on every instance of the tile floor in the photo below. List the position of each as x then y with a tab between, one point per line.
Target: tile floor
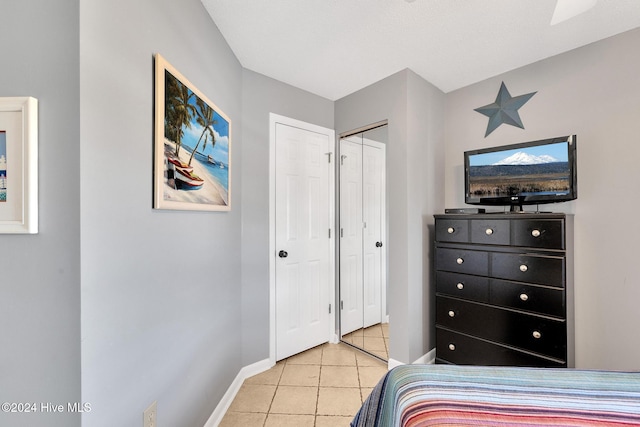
374	339
321	387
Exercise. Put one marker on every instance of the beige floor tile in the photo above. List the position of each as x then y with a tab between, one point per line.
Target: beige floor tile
332	421
373	331
385	329
268	377
286	420
374	343
355	334
370	375
307	392
368	360
339	376
338	355
365	392
309	357
295	400
339	401
242	419
358	341
253	398
301	375
380	353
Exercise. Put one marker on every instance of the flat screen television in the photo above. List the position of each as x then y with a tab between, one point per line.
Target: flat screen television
527	173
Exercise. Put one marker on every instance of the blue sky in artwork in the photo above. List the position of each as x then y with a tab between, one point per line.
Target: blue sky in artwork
557	150
220	152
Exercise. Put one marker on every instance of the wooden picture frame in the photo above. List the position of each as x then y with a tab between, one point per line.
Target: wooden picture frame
192	147
18	165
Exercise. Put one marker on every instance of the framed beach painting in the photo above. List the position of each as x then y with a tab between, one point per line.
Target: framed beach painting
19	165
192	167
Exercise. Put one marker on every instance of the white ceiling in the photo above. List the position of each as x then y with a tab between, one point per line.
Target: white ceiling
334	47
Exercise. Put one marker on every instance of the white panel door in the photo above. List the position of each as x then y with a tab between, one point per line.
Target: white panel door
351	314
302	243
372	214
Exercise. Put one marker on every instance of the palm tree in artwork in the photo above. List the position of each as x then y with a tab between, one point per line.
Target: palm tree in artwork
178	109
206	120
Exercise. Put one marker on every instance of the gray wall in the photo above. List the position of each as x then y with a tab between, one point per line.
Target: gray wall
593	92
260	96
161	310
40	274
413	108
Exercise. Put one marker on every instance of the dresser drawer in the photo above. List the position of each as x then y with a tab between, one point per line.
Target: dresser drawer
538	233
541	269
491	231
536	299
462	261
462	286
525	331
452	230
462	349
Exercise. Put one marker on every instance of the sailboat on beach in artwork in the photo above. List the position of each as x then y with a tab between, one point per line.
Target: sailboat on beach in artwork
192	146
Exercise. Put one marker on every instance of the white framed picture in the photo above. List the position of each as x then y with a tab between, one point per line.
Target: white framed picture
18	165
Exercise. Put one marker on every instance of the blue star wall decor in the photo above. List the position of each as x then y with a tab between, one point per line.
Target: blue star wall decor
504	110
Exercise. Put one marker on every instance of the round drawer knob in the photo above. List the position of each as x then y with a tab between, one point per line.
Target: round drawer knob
524	297
452	347
452	313
459	260
488	231
523	268
450	230
535	233
460	286
537	335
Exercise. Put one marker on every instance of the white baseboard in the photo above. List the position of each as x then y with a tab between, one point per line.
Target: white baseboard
427	359
335	339
227	399
392	363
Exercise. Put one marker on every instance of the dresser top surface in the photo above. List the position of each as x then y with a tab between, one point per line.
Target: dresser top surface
505	215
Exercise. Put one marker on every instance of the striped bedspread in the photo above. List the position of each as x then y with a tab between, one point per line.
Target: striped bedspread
445	395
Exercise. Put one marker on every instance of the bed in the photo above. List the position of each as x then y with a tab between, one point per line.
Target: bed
449	395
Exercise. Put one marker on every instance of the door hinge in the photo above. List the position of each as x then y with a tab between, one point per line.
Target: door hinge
341	305
342	232
329	308
329	233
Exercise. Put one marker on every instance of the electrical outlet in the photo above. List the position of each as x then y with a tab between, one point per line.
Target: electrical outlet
150	415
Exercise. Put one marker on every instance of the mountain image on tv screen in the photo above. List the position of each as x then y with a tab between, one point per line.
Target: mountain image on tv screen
541	170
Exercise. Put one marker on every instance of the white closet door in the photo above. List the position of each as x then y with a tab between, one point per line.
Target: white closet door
351	236
372	213
303	247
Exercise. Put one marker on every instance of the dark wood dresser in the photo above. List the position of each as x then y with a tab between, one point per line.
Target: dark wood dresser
504	289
